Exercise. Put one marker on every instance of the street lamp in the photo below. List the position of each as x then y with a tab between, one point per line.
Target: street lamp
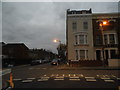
103	23
56	40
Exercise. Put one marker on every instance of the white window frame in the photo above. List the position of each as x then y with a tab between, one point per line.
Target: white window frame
78	53
77	42
108	38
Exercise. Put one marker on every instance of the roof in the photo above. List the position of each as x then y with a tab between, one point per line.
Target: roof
70	11
15	45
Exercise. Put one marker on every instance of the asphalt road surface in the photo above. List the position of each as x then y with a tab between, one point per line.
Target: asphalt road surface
48	76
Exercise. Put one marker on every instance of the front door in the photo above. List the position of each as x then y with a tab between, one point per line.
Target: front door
106	54
98	54
106	57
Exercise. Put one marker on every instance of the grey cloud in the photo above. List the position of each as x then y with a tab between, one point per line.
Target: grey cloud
37	24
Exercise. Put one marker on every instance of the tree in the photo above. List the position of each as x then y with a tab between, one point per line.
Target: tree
62	51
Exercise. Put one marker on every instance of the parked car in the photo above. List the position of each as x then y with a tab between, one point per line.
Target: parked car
54	62
9	64
36	62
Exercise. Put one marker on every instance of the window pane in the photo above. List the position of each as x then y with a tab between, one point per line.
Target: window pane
113	54
81	39
105	39
76	40
98	40
85	39
112	39
76	51
85	25
74	26
87	54
82	54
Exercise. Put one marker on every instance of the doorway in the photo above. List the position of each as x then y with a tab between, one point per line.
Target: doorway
98	54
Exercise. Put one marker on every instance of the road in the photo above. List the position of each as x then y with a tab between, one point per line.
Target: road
48	76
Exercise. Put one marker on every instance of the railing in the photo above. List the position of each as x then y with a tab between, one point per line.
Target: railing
107	45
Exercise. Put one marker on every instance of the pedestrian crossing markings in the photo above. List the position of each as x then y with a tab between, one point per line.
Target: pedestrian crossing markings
69	77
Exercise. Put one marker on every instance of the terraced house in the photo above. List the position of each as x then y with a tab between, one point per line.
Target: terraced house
92	36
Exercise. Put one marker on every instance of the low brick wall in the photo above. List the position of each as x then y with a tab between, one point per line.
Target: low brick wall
114	62
81	63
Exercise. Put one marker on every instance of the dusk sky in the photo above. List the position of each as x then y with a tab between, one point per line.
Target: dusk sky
37	23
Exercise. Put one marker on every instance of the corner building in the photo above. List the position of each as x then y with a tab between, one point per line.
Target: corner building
85	38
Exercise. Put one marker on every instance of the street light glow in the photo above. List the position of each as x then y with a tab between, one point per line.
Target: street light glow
104	22
101	24
55	41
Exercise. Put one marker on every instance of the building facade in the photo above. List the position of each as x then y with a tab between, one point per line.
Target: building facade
106	36
88	38
15	53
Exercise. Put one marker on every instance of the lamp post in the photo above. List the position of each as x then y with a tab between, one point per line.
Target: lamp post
103	23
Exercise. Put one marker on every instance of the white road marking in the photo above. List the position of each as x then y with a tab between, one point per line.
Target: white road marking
104	78
42	80
109	80
91	80
45	77
118	78
58	79
74	79
27	80
31	78
17	79
81	75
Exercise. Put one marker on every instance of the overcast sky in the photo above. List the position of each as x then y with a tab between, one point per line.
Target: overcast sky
37	23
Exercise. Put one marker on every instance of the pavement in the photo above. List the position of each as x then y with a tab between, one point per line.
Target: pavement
4	72
65	67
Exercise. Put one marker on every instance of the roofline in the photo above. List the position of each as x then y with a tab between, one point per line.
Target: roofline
15	43
105	13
